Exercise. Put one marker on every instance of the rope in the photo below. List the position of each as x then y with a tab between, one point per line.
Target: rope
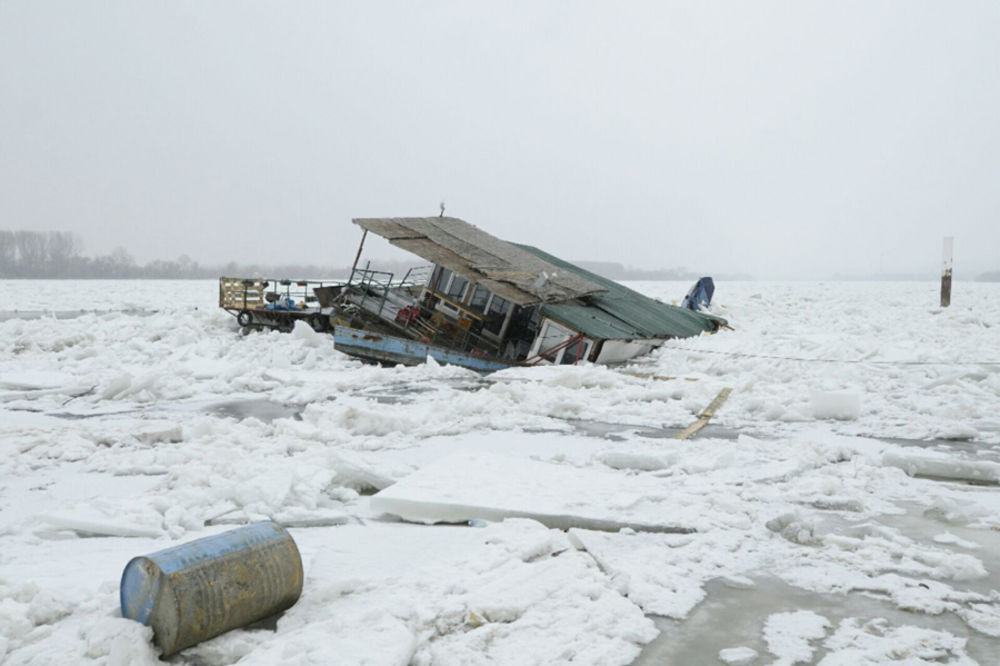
828	360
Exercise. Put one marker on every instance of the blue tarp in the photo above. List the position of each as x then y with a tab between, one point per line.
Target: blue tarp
700	295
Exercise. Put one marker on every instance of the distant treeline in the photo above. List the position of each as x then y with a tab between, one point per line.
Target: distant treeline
56	254
615	271
992	276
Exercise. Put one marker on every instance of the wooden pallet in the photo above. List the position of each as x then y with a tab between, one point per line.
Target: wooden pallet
233	290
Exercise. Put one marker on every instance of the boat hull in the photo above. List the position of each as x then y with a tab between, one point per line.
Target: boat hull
391	349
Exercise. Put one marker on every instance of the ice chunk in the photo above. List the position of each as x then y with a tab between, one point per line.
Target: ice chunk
738	656
950	539
34	381
122	642
646	462
788	635
842	405
510	593
93	525
665	573
944	467
468	486
983	617
159	431
304	332
875	642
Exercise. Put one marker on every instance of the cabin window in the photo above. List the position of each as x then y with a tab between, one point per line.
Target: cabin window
457	287
569	354
499	305
523	323
479	298
552	335
495	315
440	280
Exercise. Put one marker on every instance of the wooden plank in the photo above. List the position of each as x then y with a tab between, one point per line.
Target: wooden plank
456	305
706	415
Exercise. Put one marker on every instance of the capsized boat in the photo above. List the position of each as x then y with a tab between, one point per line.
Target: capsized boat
480	302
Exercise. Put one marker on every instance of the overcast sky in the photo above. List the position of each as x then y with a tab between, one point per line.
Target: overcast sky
780	139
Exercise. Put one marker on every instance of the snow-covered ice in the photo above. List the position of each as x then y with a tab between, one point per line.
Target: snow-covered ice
842	508
464	487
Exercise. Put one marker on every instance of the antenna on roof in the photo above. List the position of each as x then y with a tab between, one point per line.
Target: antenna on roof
442	209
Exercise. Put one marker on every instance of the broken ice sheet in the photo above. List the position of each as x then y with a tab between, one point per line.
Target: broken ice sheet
468	486
449	595
876	642
790	636
665	573
98	523
943	466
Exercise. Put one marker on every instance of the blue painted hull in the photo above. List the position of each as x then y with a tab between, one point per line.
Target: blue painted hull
390	349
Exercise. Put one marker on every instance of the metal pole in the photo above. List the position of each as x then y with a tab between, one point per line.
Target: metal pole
357	257
949	243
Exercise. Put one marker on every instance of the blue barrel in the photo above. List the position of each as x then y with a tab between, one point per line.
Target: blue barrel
198	590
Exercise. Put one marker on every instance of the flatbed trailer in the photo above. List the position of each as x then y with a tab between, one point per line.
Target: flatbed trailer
262	303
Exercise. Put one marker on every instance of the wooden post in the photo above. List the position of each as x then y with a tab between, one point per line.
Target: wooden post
949	242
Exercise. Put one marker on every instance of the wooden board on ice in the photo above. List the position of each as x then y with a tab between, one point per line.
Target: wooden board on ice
471	486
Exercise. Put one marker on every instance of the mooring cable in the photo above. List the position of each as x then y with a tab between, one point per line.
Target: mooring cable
826	360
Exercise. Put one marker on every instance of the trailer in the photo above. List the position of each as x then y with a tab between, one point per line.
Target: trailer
262	303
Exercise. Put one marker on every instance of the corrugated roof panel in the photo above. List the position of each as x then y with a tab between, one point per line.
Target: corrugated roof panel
431	251
479	256
592	322
620	313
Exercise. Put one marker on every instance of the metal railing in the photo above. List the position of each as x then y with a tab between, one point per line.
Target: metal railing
248	293
416	320
380	285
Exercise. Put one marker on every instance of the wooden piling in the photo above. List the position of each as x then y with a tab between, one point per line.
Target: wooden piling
949	242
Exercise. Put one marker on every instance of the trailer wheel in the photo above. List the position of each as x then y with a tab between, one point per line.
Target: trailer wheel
244	318
319	322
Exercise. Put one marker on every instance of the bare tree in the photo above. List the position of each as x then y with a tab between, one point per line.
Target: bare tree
8	253
32	252
63	253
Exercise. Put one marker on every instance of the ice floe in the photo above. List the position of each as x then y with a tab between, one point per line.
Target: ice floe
863	474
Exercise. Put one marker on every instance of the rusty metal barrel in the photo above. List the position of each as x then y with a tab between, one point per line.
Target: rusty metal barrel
198	590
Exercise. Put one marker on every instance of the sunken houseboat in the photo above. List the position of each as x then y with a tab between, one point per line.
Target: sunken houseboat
482	302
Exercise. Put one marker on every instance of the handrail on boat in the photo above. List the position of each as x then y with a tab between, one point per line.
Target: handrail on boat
428	324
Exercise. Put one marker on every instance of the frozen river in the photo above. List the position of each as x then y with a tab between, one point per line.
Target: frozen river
842	508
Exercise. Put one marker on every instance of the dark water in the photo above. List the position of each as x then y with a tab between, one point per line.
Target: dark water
731	617
265	410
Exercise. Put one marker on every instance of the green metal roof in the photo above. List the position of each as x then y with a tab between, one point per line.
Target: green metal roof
621	313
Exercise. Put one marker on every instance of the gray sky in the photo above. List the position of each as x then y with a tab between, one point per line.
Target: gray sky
781	139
